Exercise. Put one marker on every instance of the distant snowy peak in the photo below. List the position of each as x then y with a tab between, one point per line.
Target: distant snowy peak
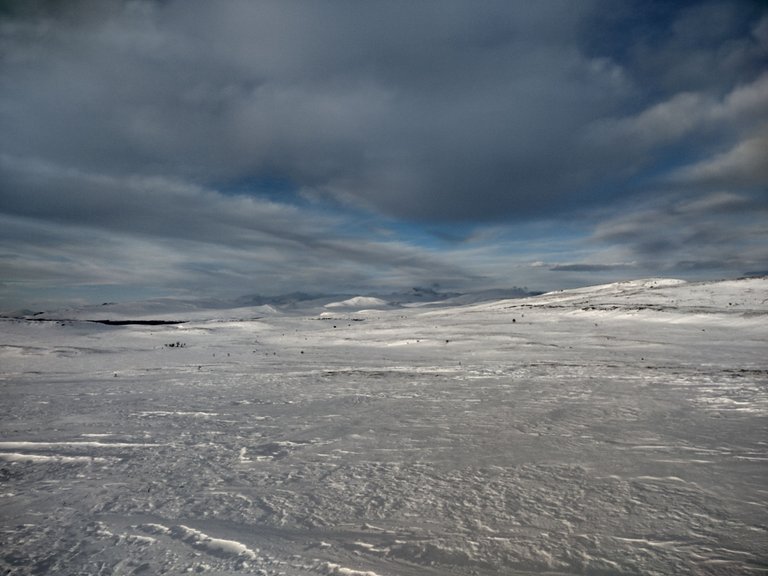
360	302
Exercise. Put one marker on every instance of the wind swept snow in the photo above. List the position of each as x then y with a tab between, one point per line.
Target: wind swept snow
615	429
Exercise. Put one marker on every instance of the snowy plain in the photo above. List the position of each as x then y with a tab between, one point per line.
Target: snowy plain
616	429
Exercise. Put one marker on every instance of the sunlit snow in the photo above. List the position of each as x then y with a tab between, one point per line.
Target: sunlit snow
617	429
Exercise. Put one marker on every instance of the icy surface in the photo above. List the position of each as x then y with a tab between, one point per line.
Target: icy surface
617	429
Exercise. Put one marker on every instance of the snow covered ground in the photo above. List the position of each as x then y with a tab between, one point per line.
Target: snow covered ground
617	429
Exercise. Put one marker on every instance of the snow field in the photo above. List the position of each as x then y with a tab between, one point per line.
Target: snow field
594	434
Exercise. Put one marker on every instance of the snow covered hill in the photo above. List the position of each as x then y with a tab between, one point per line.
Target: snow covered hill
360	302
731	296
615	429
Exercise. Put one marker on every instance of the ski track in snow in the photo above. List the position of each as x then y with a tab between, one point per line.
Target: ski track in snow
618	429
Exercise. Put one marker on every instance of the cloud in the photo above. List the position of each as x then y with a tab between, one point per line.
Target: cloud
585	267
171	236
696	46
367	144
425	113
745	164
637	139
719	232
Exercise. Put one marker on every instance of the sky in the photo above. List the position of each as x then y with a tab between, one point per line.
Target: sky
198	149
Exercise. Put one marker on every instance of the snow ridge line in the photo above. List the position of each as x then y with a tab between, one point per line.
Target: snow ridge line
202	541
338	570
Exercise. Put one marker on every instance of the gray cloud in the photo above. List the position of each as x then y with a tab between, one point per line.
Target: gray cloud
706	46
162	126
697	121
450	113
584	267
720	232
743	165
170	237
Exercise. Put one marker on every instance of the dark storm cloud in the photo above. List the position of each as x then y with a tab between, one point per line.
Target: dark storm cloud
167	123
417	110
442	111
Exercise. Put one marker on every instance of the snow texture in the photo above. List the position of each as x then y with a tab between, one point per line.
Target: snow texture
359	302
616	429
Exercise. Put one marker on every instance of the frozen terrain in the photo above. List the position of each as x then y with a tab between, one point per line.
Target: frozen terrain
617	429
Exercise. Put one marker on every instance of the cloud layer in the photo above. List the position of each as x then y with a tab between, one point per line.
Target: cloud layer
286	141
